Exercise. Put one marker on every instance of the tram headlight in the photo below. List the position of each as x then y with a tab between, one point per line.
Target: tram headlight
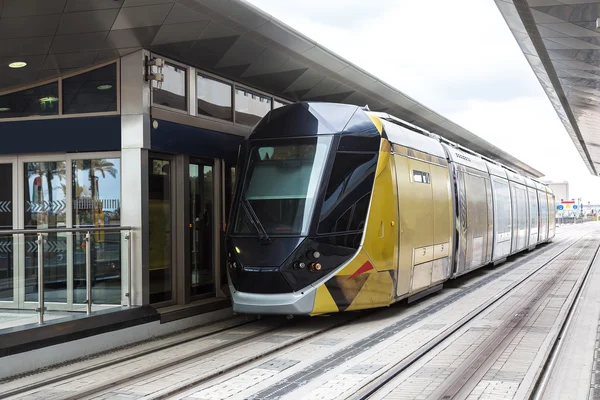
314	267
299	265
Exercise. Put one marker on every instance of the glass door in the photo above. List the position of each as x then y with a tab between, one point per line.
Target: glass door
44	205
8	285
57	192
160	210
201	194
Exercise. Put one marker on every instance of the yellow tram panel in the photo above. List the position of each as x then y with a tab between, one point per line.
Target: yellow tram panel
381	231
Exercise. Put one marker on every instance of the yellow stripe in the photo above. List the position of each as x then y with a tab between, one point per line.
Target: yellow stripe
377	123
324	303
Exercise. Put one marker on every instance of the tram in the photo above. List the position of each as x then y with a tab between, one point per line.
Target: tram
339	208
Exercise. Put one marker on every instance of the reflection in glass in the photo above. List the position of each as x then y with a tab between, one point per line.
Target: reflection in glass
6	242
40	100
347	196
201	235
160	230
214	98
91	92
171	92
44	206
96	190
250	107
230	180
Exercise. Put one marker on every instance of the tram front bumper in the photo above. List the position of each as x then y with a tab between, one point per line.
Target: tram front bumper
297	303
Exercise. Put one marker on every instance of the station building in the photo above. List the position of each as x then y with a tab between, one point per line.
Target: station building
123	118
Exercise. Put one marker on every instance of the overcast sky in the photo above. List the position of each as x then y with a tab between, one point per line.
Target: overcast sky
458	58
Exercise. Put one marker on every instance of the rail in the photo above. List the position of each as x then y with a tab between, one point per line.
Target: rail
88	240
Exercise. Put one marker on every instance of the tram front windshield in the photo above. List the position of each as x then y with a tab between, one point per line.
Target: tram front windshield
281	182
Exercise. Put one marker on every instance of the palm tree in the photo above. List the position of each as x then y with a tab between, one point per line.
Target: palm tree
101	166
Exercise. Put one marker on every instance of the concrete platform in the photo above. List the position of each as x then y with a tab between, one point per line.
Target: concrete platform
497	355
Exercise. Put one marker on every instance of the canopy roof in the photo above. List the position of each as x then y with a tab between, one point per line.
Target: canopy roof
230	38
561	41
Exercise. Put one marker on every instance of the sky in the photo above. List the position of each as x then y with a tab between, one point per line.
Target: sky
458	58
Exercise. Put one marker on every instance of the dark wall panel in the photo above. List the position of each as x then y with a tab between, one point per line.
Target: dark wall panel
193	141
61	135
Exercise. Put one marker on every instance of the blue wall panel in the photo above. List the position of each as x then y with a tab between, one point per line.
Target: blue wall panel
184	139
61	135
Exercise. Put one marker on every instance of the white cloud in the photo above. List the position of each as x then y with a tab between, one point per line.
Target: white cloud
458	58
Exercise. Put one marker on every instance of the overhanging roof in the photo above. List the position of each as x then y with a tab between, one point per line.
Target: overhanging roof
560	40
231	38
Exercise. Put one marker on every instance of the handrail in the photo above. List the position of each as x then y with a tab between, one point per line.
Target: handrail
65	230
88	259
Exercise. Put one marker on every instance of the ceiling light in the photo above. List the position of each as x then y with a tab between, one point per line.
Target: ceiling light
17	64
2	109
49	99
103	87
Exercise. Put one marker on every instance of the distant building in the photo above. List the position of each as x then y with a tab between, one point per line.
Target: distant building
560	189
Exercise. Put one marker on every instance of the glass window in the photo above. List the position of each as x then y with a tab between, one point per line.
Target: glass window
502	203
214	98
40	100
172	91
160	230
96	190
91	92
348	192
281	185
533	210
277	104
250	107
45	188
420	176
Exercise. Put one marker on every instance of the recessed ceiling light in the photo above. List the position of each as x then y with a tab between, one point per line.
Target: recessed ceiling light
103	87
2	109
17	64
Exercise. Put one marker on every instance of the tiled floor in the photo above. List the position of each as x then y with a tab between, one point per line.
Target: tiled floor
10	319
334	364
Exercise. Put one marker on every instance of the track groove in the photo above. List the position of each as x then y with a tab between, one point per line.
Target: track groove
372	388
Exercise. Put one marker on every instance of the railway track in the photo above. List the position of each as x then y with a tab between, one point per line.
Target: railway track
461	381
248	334
238	335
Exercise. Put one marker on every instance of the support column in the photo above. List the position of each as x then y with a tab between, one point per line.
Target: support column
135	143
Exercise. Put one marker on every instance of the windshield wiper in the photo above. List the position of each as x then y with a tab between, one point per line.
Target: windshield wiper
263	237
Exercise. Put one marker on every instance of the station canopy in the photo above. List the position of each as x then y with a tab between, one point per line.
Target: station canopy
561	41
230	38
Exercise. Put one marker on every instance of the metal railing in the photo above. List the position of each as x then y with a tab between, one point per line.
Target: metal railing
88	259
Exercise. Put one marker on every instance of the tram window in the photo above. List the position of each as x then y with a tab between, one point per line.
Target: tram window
350	182
420	176
360	213
281	183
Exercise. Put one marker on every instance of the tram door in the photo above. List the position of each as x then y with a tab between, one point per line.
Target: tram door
201	276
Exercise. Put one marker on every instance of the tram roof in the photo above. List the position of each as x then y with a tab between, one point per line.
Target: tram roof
231	38
561	41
